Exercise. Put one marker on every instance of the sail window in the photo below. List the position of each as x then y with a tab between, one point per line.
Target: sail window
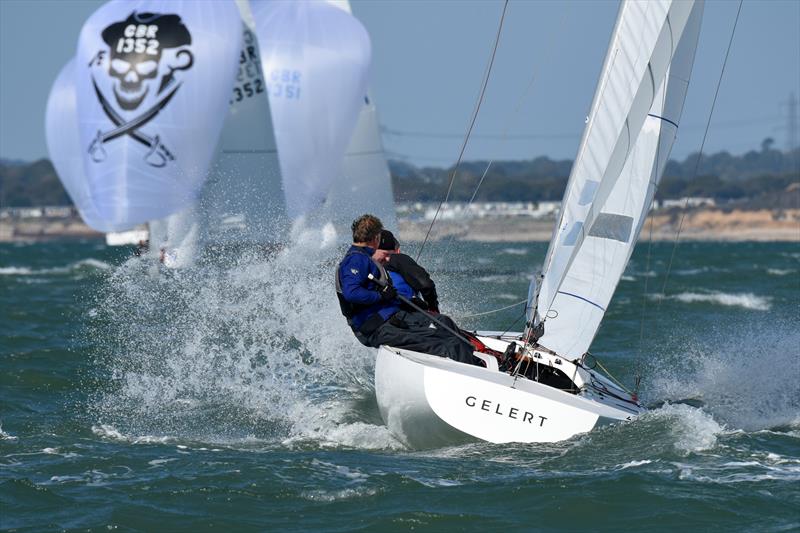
572	237
612	226
587	193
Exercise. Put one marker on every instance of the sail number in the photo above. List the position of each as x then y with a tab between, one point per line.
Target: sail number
284	83
249	81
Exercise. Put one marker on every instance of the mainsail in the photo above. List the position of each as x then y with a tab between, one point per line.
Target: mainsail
629	135
315	58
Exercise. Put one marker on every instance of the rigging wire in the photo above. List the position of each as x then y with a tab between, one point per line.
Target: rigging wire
494	310
638	361
699	158
514	114
474	117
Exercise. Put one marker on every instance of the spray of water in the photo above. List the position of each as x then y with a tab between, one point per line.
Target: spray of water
744	374
249	347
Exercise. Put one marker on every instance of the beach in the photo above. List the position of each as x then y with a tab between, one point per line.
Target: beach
703	224
706	224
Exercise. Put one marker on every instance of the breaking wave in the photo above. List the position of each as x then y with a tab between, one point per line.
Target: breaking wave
83	264
745	300
745	375
780	271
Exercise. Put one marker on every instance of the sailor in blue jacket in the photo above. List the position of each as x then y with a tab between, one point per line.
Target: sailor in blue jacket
373	310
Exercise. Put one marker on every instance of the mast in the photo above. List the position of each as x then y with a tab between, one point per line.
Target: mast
624	149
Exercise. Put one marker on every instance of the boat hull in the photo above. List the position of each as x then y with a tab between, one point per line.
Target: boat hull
428	402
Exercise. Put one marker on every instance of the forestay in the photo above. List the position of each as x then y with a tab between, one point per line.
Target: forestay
625	146
153	80
315	57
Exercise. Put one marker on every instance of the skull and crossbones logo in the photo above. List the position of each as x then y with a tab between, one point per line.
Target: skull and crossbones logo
133	62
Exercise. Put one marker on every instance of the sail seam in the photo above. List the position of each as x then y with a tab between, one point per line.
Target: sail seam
663	118
582	298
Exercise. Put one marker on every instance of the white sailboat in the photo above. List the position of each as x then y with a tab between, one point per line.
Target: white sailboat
550	393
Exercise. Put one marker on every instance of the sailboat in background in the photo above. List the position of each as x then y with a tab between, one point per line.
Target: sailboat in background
550	393
121	122
252	192
279	166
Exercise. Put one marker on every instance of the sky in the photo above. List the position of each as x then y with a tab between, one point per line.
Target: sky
429	58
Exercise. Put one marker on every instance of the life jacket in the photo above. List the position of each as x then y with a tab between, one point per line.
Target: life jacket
350	309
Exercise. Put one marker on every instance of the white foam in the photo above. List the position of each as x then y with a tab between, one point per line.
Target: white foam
693	429
6	436
745	375
15	271
253	349
514	251
339	495
159	462
110	432
88	263
633	464
780	271
744	300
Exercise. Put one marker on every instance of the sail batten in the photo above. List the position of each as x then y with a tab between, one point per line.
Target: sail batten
626	143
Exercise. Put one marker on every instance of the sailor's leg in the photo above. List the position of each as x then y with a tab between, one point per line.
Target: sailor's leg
422	335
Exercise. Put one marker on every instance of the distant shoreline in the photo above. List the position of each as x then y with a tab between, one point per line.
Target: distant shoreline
703	224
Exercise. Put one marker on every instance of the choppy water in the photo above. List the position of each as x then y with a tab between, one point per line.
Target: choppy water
235	398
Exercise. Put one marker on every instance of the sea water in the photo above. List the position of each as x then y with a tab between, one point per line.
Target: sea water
232	396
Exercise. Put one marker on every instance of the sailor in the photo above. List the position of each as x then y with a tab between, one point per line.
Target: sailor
409	278
373	310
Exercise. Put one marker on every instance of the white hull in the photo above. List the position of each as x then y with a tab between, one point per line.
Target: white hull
123	238
428	401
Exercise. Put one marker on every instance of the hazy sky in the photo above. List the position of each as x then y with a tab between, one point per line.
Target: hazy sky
429	58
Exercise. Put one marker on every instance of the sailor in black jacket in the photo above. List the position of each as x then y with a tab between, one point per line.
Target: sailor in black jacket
417	278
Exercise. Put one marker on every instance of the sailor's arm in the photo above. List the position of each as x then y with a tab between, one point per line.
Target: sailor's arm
353	277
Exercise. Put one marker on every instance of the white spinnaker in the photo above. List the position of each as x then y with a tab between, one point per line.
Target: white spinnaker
61	131
316	59
242	199
153	79
365	175
614	218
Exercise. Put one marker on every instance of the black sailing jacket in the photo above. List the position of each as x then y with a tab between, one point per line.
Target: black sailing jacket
416	276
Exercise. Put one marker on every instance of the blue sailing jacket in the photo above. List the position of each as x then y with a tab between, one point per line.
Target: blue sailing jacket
358	289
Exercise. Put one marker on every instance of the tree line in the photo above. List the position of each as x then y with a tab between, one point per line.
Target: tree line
763	176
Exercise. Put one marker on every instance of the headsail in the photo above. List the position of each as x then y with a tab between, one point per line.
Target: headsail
626	144
152	79
315	57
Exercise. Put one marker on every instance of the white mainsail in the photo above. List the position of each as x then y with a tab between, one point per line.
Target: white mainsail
626	144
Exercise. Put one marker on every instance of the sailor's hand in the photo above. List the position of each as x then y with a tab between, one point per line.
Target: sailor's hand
388	293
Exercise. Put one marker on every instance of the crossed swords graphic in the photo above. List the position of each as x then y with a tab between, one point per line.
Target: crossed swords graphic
158	156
